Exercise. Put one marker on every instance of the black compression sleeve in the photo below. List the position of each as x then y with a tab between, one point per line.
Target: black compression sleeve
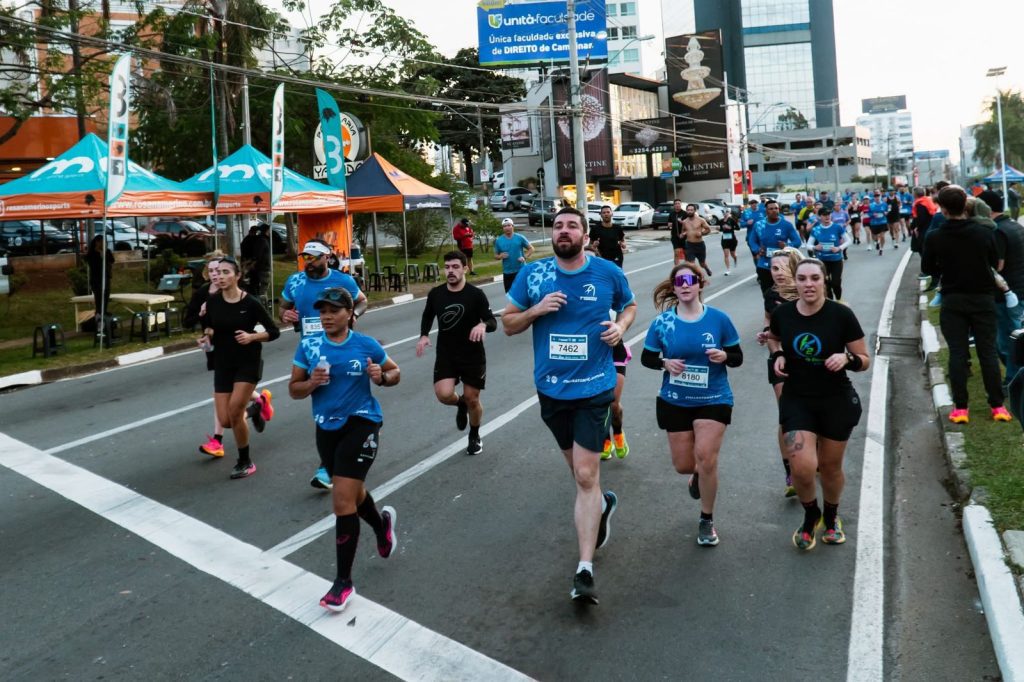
733	356
651	359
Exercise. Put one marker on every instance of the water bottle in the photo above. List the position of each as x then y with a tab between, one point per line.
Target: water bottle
205	344
325	365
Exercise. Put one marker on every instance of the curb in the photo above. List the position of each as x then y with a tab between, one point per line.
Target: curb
1000	593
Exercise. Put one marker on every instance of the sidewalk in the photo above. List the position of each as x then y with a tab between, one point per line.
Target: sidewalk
1001	591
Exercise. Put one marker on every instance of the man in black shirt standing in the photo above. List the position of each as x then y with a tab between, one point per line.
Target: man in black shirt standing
463	317
608	240
1009	236
963	254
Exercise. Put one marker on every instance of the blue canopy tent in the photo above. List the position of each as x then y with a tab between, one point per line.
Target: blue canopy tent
1011	175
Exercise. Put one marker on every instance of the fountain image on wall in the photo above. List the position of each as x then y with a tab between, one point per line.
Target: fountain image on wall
697	94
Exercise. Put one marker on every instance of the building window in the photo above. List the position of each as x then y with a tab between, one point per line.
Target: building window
631	55
614	59
611	9
628	32
627	9
613	33
775	12
781	73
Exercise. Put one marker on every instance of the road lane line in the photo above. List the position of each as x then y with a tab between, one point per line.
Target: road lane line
373	632
311	533
865	660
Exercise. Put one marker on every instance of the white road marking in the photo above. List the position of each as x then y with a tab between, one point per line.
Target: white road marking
376	634
865	655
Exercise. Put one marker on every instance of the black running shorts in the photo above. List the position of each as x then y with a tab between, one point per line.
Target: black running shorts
673	418
729	244
773	378
584	421
695	251
832	417
351	450
878	229
225	378
470	371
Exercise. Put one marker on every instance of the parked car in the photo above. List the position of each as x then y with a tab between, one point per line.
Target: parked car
278	232
735	209
661	214
124	237
25	238
710	212
634	214
545	207
512	199
176	227
498	180
594	211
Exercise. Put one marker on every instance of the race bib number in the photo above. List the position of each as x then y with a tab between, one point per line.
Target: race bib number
311	325
769	252
567	347
694	376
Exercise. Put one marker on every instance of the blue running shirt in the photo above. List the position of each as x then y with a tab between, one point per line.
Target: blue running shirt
515	246
348	394
302	291
702	382
828	237
768	235
879	213
570	360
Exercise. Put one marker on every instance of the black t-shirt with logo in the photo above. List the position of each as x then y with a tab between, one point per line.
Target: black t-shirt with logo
457	312
809	340
608	239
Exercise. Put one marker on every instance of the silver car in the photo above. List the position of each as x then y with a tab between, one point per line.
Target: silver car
511	199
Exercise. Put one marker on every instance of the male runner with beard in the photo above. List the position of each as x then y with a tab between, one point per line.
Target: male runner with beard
693	231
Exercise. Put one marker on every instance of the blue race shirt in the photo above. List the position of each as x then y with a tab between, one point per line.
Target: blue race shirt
840	217
348	394
302	291
906	202
768	235
702	382
828	237
570	360
796	207
749	218
515	246
879	212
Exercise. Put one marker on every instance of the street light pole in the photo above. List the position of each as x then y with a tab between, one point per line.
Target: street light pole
995	73
576	104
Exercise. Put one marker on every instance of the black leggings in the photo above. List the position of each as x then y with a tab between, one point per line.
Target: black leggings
834	268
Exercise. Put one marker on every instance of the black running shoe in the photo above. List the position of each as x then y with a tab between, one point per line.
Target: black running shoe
476	446
258	422
604	528
461	415
243	469
694	486
389	517
583	587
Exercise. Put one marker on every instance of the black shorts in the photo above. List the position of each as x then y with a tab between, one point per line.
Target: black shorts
468	253
225	378
470	371
878	229
893	218
695	251
673	418
832	417
773	378
584	421
351	450
855	219
507	278
729	244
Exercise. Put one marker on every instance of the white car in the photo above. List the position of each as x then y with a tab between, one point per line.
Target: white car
633	214
125	237
594	211
712	213
498	180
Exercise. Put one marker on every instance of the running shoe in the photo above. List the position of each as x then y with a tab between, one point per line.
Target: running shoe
339	596
834	536
243	470
212	447
693	485
803	540
604	528
707	270
256	416
390	518
1000	414
461	415
475	447
621	446
706	535
960	416
727	273
606	453
321	479
583	587
895	245
790	490
266	407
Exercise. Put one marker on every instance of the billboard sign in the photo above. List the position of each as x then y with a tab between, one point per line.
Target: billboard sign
515	131
694	72
545	130
647	136
537	32
932	154
883	105
597	128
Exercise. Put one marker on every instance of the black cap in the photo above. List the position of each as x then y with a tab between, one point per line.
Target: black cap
993	199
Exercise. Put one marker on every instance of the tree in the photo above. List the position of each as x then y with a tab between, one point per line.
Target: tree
462	78
792	119
987	134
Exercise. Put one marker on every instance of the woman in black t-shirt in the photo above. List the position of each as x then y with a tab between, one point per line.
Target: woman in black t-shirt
814	341
229	325
728	228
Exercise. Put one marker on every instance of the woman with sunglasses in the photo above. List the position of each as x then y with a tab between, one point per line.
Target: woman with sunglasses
783	266
229	325
692	344
336	366
814	342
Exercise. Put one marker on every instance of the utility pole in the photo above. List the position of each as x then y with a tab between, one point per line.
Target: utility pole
483	150
835	145
576	103
247	139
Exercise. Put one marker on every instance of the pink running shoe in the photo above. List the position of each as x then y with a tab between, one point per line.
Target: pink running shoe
266	408
959	416
1000	414
390	518
212	447
339	596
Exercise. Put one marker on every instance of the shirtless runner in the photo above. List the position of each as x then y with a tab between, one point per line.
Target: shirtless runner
693	230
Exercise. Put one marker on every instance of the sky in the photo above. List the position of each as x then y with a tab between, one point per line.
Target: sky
935	53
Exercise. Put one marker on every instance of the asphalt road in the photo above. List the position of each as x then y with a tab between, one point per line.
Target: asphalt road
125	553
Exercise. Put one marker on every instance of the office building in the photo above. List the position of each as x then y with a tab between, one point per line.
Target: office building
794	159
633	45
970	165
892	135
782	52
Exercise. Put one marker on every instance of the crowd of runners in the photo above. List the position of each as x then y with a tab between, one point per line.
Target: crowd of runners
577	305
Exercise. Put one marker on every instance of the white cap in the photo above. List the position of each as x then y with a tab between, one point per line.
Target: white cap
316	249
507	221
